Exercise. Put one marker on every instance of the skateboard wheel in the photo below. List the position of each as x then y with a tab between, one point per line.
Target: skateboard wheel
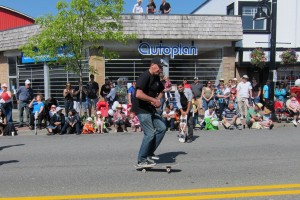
144	170
168	170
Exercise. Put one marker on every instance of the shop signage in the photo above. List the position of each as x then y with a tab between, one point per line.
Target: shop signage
147	49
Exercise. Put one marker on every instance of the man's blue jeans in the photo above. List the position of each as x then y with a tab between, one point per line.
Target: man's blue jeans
154	131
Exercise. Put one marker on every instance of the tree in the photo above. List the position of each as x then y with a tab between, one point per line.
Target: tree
78	26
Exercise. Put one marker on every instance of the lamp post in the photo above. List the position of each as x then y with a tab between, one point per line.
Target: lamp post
272	67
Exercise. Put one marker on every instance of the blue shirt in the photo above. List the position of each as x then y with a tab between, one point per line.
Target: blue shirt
37	106
266	91
131	91
25	94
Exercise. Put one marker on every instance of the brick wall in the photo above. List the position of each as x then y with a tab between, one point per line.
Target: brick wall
228	63
3	69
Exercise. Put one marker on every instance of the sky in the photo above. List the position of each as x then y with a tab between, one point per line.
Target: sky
36	8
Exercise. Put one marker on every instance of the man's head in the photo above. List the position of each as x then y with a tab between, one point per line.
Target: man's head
196	79
221	80
27	83
107	80
92	77
210	108
268	82
180	87
134	84
231	106
157	65
139	2
245	78
167	109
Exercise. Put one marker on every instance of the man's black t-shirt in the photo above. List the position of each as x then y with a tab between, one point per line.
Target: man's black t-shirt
92	89
151	86
164	7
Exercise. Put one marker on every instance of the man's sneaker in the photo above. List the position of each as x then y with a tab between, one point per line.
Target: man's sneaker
271	126
294	122
146	164
153	157
231	127
241	117
299	121
240	127
20	126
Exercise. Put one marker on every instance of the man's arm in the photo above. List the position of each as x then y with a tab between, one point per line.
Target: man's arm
142	96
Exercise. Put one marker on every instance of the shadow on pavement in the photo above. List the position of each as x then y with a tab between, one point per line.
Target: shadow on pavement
170	157
8	162
8	146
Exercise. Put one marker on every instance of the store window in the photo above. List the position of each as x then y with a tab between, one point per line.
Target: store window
248	10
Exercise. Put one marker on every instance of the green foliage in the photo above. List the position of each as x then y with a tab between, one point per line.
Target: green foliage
258	58
289	57
78	26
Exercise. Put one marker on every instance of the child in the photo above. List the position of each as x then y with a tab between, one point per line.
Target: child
266	121
99	121
88	126
135	123
119	119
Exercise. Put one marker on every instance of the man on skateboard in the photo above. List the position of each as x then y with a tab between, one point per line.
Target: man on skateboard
149	90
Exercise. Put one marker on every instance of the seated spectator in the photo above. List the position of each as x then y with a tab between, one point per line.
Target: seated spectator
119	119
88	127
72	124
37	111
3	123
169	117
280	110
99	121
57	120
253	118
231	118
293	107
266	120
210	119
176	119
47	108
134	122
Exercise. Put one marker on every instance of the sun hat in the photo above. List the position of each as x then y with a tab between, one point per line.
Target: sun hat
259	105
235	79
245	76
98	112
58	109
4	85
221	79
89	119
120	106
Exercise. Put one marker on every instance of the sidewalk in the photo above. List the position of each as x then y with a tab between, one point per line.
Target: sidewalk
25	130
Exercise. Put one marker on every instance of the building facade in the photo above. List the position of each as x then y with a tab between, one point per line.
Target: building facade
258	33
193	45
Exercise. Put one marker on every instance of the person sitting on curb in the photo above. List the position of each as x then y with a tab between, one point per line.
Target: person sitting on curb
169	117
88	127
266	120
57	121
119	119
253	117
211	119
231	118
72	124
294	108
37	107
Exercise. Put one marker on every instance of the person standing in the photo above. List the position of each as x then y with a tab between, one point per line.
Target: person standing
197	95
68	95
6	102
184	98
256	90
92	94
131	93
105	88
244	91
137	8
148	94
24	96
266	92
207	96
165	7
151	7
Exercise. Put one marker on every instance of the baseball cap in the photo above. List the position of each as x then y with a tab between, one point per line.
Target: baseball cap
4	85
27	82
58	109
98	112
196	78
235	79
245	76
159	61
221	79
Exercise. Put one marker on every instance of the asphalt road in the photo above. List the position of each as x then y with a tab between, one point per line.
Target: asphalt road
61	166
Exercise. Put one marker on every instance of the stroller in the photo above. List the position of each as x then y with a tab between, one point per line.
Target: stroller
103	107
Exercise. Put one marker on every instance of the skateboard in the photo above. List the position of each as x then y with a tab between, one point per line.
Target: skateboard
166	166
182	127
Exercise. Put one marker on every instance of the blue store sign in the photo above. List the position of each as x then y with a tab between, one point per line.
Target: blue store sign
146	49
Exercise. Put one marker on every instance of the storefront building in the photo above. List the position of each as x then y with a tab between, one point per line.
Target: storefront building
193	45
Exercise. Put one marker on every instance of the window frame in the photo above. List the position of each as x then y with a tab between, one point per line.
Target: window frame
255	4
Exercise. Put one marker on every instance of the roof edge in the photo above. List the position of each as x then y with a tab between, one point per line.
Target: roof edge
12	10
203	4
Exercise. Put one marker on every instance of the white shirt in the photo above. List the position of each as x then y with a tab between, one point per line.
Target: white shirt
170	113
208	115
137	8
243	89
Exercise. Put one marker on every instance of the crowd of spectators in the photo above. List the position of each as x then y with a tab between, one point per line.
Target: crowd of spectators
204	105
